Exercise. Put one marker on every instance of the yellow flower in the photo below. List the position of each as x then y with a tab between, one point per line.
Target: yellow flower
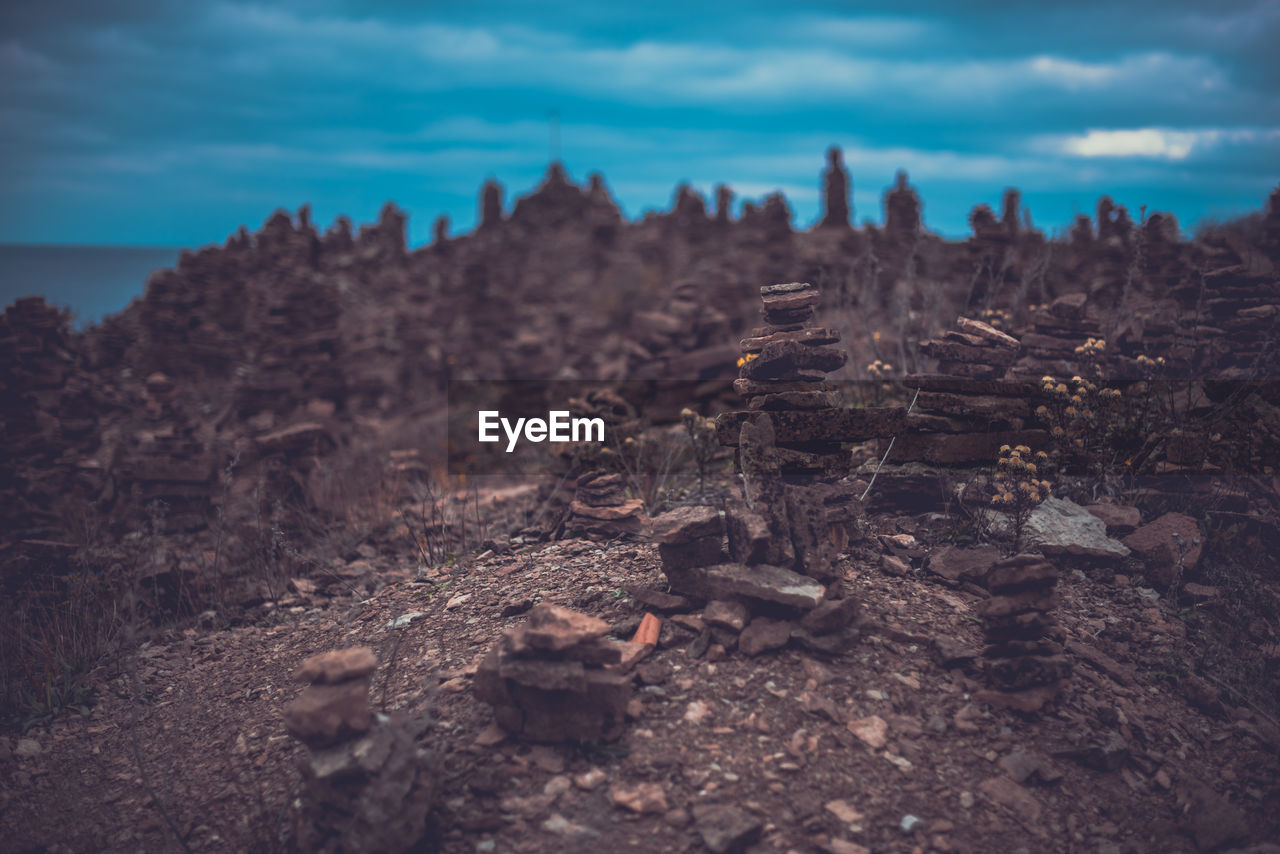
1031	467
1035	496
1071	410
1057	432
1004	449
1022	449
1047	380
1042	456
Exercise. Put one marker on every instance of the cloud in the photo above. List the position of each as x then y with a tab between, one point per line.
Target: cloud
1160	143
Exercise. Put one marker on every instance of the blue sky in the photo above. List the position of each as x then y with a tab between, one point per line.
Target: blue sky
170	123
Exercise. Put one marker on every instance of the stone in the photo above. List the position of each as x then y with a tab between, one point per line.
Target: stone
1211	820
955	351
891	565
830	616
1166	543
659	600
339	665
28	748
750	540
817	400
762	581
963	564
1027	701
813	336
872	731
686	524
786	359
728	614
1060	526
1117	518
548	675
1021	572
324	715
987	331
1042	599
700	552
1015	798
962	448
726	829
764	634
640	798
552	628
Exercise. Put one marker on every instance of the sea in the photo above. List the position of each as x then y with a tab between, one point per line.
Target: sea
93	281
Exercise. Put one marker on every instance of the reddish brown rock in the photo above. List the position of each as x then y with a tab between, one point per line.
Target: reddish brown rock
339	665
764	634
1118	518
1167	545
686	524
327	714
552	628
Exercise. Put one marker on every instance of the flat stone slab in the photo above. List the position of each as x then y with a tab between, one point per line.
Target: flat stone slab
686	524
785	288
814	336
987	331
953	448
957	352
1060	526
765	582
552	628
782	358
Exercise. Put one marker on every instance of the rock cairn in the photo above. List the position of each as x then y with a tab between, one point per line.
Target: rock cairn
784	368
367	785
1051	347
751	601
965	411
836	212
36	370
168	463
601	509
1024	666
558	678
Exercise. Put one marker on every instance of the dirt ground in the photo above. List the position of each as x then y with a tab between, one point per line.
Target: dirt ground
882	748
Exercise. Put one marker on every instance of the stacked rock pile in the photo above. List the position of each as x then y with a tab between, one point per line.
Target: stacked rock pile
35	365
1232	312
558	678
601	509
784	368
1024	666
367	785
751	601
965	412
1057	334
168	462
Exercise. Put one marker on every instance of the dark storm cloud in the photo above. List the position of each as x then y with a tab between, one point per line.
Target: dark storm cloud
184	120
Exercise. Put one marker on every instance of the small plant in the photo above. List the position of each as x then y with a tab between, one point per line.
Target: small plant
1019	486
702	436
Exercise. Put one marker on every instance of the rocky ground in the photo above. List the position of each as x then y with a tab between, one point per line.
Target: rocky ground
883	747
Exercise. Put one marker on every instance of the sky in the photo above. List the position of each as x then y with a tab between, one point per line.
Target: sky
166	123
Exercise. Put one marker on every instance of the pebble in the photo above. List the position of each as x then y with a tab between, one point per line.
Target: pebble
404	620
590	780
909	823
28	748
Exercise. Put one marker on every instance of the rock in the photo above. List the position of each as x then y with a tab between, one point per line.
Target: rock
728	614
659	600
844	811
1007	793
764	634
990	333
872	730
457	601
326	714
339	665
750	540
844	846
892	565
552	628
727	829
686	524
1211	820
404	620
1060	526
561	826
641	798
830	616
731	580
1118	518
703	551
370	794
1026	701
28	748
959	564
1166	543
589	781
